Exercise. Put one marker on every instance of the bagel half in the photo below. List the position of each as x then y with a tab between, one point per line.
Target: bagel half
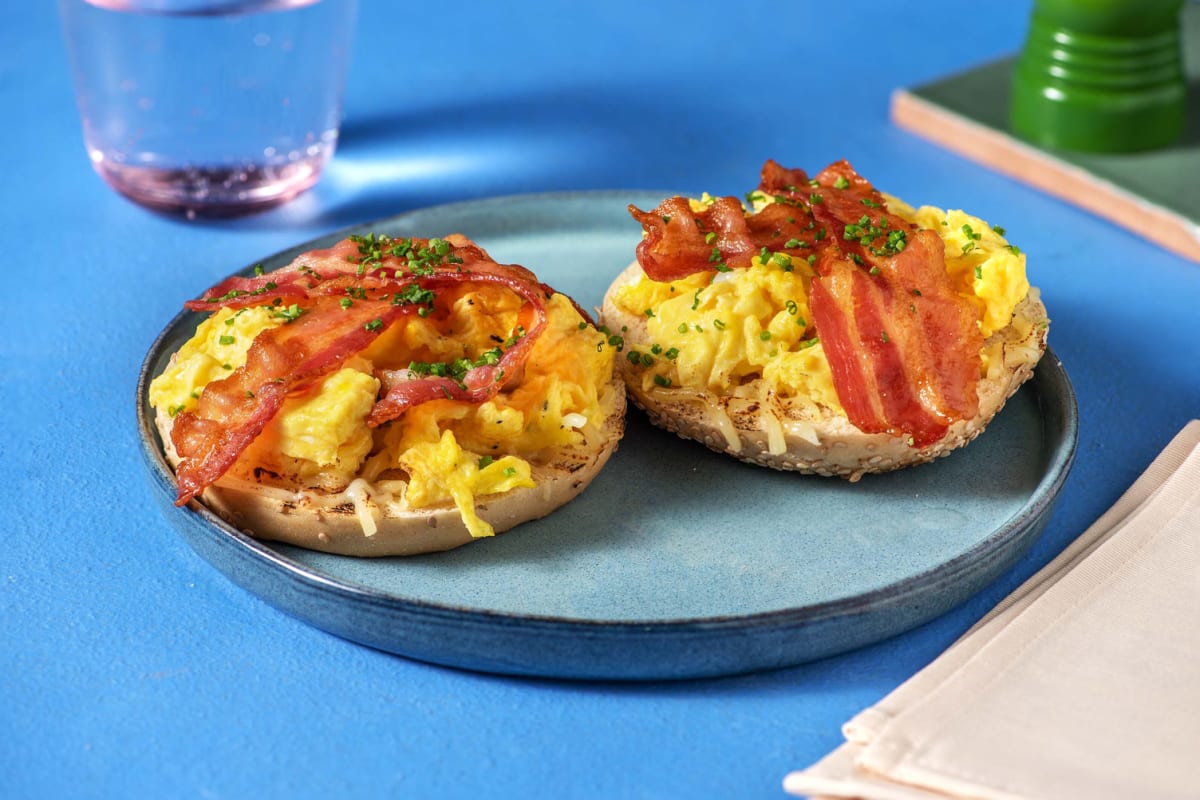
388	397
362	521
756	427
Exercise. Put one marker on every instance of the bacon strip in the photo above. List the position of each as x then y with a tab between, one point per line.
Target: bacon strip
233	411
334	269
913	347
880	369
902	345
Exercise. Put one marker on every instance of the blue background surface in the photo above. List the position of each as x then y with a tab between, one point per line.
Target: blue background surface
130	668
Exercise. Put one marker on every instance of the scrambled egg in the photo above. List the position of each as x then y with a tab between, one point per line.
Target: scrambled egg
449	451
714	331
442	469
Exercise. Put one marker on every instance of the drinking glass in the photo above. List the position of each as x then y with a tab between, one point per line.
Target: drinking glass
209	108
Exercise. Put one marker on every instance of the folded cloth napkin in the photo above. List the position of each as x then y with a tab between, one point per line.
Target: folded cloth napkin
1085	682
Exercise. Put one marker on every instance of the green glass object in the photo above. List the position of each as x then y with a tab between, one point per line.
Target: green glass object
1101	76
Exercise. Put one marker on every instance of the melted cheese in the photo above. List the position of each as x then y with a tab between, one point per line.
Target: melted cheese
358	492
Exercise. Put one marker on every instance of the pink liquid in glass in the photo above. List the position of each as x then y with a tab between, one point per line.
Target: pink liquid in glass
209	108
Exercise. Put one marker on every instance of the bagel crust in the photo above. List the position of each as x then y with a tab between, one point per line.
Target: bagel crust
274	507
757	428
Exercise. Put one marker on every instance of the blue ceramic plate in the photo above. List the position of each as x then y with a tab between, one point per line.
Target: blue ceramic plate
677	562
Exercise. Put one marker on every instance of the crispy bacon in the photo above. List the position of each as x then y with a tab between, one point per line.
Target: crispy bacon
779	180
894	329
902	345
348	263
233	411
324	332
901	362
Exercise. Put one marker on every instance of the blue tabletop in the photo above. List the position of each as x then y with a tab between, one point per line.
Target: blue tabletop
131	668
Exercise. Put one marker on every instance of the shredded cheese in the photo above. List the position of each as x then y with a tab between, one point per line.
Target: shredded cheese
721	421
776	444
358	493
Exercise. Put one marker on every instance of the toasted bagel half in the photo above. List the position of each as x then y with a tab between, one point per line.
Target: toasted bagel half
756	426
388	396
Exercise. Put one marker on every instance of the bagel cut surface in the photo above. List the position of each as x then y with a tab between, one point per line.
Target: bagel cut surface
732	358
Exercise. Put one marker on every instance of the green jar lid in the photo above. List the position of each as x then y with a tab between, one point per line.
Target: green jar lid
1101	76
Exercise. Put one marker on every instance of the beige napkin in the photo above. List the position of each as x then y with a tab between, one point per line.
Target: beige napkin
1085	682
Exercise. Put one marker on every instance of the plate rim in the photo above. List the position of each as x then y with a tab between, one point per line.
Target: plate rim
1061	446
